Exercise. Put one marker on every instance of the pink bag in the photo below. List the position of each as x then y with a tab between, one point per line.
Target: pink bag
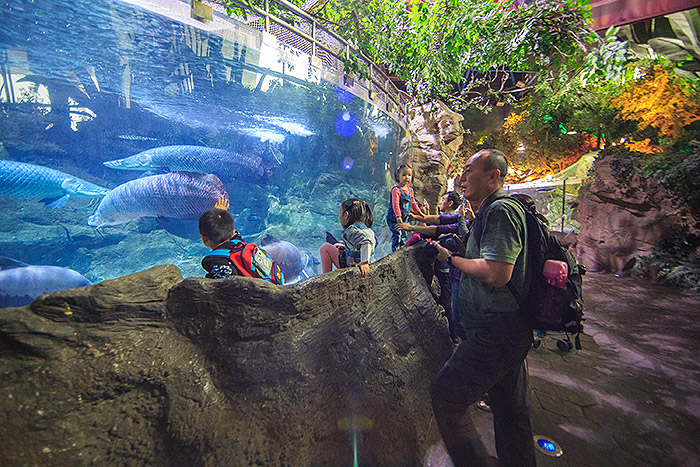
556	273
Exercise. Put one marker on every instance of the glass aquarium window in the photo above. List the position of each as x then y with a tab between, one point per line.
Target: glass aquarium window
103	101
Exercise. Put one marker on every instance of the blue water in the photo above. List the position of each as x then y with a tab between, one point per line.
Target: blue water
88	82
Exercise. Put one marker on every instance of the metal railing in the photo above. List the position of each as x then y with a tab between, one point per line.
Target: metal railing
328	48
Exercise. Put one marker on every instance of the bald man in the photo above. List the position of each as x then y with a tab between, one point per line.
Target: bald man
491	356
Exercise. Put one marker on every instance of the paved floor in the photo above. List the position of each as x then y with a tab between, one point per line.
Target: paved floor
631	396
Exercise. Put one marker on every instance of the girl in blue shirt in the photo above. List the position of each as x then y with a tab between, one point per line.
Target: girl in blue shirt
358	240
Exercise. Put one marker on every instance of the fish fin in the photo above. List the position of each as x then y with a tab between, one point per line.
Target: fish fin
9	263
136	138
191	174
276	153
268	239
54	203
151	172
308	259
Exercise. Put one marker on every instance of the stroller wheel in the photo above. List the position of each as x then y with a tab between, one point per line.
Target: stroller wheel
564	346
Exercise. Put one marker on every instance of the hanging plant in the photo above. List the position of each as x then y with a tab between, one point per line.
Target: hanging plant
438	46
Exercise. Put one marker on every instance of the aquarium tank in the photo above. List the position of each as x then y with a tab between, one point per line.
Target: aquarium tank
122	121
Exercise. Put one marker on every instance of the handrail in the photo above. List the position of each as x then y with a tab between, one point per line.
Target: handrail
385	85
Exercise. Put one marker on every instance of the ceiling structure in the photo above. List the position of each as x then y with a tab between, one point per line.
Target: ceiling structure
655	27
606	13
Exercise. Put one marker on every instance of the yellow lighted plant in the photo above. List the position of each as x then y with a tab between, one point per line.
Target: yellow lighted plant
644	147
660	99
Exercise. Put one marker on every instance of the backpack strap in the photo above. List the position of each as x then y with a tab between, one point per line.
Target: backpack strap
238	257
238	245
391	196
477	226
516	294
219	252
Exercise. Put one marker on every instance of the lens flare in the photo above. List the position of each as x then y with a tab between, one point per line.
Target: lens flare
343	95
347	164
346	123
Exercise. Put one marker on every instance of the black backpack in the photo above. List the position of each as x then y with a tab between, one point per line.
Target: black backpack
548	308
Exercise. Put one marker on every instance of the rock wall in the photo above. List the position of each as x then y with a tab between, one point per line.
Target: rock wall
436	135
619	223
150	369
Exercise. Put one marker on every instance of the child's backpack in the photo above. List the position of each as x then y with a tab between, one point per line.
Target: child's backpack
553	303
253	261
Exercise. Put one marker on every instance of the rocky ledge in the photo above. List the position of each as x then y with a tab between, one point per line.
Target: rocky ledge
150	369
622	222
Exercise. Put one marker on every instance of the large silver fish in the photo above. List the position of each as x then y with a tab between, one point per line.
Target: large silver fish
21	284
197	159
22	180
179	195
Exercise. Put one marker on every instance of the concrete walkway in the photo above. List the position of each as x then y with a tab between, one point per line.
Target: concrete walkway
631	396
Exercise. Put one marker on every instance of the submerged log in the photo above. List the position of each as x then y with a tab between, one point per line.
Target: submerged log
151	369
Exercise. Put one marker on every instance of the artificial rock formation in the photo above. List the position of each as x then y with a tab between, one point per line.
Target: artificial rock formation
437	134
150	369
620	223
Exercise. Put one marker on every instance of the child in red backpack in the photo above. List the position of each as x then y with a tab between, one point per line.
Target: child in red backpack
358	239
230	255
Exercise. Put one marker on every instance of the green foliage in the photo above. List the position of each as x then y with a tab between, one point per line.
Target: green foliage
682	177
354	66
673	260
605	63
431	45
581	102
571	115
242	8
625	165
677	168
538	143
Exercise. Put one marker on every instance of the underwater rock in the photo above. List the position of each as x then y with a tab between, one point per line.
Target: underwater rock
148	369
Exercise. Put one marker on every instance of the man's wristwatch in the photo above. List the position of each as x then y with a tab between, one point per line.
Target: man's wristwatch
449	260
